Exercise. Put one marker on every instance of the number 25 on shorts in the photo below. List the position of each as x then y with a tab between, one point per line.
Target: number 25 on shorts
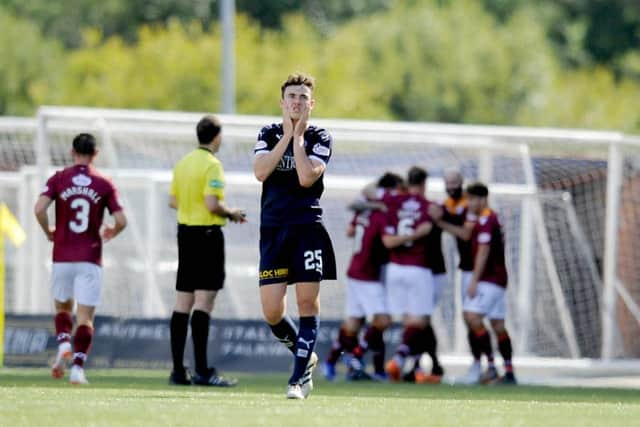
313	260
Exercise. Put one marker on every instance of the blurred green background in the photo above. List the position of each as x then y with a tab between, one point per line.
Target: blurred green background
567	63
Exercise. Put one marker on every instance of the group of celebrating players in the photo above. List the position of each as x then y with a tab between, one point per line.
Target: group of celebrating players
397	269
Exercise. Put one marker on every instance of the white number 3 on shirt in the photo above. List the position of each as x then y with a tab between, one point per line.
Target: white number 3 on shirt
81	222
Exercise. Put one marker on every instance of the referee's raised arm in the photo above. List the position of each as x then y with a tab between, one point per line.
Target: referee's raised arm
197	192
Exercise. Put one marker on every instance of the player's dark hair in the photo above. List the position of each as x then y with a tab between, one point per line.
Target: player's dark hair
297	79
477	189
416	176
85	144
208	128
390	180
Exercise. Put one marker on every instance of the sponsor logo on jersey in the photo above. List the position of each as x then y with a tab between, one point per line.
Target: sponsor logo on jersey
216	183
81	180
321	150
260	145
276	273
484	238
411	205
287	163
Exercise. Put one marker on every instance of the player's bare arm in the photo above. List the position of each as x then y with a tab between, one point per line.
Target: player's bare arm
461	231
351	230
373	192
369	194
479	264
218	207
363	205
435	211
265	163
40	210
173	202
370	191
109	232
393	241
308	170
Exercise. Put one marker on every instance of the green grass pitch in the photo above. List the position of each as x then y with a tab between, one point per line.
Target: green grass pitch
142	398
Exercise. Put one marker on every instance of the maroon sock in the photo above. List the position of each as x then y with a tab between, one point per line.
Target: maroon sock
360	349
347	341
411	341
64	324
374	340
344	342
475	346
484	342
431	344
334	354
504	346
82	344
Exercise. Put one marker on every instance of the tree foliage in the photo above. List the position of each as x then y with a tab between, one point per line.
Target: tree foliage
434	60
29	66
65	20
173	67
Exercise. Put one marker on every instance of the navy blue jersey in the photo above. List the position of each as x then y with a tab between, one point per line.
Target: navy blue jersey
284	201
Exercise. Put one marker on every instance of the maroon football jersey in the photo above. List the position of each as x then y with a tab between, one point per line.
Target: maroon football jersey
405	212
369	254
81	195
455	212
488	231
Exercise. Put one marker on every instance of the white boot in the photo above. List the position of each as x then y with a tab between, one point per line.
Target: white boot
77	375
307	378
473	374
294	391
62	359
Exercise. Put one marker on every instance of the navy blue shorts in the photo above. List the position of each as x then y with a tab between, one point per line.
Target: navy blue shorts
296	253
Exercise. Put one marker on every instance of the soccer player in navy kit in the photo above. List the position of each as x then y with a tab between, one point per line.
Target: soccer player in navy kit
295	248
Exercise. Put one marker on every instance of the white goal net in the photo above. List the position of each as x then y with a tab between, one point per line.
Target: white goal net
554	231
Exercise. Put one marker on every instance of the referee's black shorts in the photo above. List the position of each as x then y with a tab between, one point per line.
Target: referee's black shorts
200	258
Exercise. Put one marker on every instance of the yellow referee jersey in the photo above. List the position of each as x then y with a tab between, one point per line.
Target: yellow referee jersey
196	175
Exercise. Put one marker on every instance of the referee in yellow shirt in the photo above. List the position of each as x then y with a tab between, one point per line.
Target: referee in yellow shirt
197	192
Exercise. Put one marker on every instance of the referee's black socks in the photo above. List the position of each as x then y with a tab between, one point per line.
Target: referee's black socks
200	335
179	327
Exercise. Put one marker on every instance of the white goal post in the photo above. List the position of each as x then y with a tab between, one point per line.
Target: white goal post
559	302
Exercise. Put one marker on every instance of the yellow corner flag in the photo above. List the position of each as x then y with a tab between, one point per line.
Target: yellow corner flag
10	227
